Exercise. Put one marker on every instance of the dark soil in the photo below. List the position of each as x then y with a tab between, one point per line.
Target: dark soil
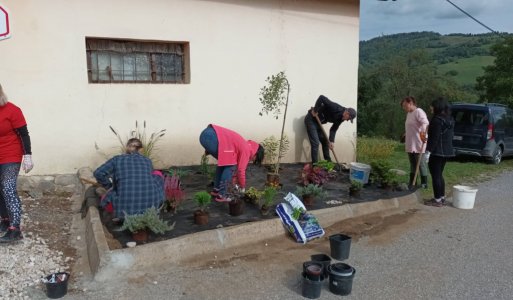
194	181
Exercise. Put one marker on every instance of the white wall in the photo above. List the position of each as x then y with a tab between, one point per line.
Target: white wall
234	46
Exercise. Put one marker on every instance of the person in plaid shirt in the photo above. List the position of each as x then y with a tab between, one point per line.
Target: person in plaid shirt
132	184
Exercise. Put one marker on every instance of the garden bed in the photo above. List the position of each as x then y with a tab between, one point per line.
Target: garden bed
337	194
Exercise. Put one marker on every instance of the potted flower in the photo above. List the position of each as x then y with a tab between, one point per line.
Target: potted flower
355	188
309	193
236	205
203	200
273	99
268	199
253	195
173	189
139	224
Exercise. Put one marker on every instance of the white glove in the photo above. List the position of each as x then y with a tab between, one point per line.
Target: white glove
240	189
426	156
27	163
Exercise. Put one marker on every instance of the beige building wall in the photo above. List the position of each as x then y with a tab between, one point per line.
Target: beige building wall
234	46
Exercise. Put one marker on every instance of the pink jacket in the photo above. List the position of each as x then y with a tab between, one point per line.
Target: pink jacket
234	150
416	122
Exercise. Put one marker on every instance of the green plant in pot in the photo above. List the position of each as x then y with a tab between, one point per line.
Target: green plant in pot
274	97
309	193
203	200
355	188
139	224
268	199
253	195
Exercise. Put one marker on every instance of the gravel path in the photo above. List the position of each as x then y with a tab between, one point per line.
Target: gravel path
37	255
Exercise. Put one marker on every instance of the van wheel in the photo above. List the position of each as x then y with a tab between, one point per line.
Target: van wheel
497	157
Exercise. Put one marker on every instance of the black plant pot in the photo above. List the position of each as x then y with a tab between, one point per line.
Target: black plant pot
340	246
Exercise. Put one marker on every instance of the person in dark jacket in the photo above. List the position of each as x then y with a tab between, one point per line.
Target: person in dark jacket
327	111
439	148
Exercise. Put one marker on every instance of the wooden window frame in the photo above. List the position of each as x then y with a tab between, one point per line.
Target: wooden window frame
184	52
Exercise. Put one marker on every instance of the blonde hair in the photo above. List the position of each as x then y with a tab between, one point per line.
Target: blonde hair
3	97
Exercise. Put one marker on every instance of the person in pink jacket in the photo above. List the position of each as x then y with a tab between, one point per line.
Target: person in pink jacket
415	138
233	154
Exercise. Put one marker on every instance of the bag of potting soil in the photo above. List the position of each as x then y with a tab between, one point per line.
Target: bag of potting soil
302	225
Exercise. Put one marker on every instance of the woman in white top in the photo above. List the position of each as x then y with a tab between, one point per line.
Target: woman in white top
415	138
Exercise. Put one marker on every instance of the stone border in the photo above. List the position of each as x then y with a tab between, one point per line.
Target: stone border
106	264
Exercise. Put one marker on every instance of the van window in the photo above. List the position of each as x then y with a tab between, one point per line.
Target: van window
470	117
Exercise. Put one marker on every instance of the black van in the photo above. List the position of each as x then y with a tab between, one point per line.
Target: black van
483	130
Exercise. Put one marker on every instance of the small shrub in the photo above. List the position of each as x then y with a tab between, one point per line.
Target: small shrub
356	185
253	195
312	190
268	196
150	220
381	172
271	145
203	200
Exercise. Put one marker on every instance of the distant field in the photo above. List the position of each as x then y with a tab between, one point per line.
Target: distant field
468	68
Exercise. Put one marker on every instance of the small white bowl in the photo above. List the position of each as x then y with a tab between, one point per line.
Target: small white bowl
131	244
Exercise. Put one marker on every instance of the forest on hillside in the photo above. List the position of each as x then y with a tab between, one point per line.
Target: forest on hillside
425	65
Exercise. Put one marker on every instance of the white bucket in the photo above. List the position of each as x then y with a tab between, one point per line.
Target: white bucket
463	196
359	172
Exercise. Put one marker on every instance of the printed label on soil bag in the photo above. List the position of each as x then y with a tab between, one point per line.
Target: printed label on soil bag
303	227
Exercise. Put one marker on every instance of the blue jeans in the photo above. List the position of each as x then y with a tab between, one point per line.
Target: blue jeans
224	174
316	137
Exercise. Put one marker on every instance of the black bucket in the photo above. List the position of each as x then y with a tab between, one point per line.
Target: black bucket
324	259
341	278
311	288
340	245
314	270
57	285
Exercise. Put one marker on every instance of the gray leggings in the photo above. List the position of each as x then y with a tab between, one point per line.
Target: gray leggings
10	204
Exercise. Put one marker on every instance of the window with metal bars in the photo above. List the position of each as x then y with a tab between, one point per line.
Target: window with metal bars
129	61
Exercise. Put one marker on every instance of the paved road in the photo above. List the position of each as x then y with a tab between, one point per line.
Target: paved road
428	253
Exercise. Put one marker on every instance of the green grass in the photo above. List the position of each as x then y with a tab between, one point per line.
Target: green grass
468	68
465	171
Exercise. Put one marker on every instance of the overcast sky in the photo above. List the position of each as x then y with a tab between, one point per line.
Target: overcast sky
388	17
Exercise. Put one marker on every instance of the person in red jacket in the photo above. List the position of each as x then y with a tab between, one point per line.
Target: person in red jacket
233	154
15	153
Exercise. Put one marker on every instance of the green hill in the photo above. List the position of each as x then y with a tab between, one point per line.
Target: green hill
465	70
460	56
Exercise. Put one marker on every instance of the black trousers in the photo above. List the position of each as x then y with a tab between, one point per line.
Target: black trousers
436	166
316	137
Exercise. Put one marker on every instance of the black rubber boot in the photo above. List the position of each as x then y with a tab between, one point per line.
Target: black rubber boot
423	182
4	224
13	234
